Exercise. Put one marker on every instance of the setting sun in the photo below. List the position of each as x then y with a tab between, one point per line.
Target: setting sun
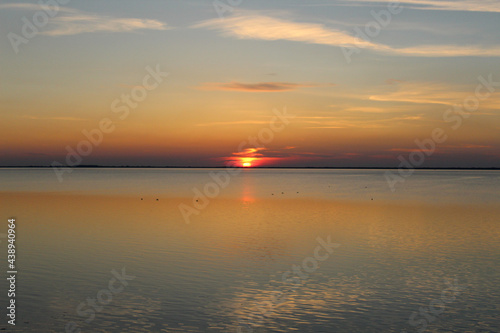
247	164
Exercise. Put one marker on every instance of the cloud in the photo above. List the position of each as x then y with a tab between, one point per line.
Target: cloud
252	25
421	93
54	118
266	154
69	21
231	123
246	155
249	25
443	149
352	118
468	146
447	95
448	51
329	127
250	152
367	109
455	5
27	6
257	87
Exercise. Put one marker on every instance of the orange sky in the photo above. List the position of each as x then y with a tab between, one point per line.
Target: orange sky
178	85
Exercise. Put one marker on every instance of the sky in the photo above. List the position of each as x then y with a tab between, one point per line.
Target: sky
353	83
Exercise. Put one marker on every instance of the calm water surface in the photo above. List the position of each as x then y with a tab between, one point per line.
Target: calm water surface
425	257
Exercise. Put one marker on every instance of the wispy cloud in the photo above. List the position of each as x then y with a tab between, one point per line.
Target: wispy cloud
366	109
448	51
27	6
69	21
54	118
253	25
262	153
448	148
257	87
328	127
250	152
231	123
421	93
249	25
468	146
352	118
455	5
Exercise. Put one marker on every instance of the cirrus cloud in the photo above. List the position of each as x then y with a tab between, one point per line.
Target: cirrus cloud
253	25
250	25
70	21
259	86
492	6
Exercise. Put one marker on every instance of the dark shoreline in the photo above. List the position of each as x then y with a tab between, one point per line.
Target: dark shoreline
223	167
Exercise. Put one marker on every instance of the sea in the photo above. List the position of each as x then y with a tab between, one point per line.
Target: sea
250	250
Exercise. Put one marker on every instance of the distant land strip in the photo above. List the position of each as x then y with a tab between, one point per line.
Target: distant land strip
256	167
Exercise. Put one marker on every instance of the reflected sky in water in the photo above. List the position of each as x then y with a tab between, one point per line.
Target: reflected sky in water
423	185
227	265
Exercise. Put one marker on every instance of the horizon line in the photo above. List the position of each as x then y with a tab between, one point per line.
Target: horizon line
256	167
